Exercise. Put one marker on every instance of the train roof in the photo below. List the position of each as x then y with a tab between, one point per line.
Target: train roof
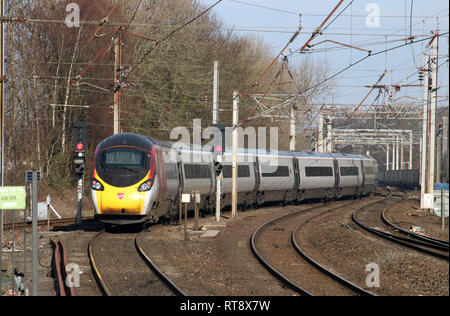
300	154
127	139
130	139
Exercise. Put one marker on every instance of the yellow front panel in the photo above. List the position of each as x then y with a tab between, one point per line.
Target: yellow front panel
120	201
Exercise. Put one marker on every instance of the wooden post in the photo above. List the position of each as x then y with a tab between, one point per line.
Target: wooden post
197	200
186	237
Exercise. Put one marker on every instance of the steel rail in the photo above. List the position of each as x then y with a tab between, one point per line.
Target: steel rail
440	243
409	243
267	265
101	283
164	278
53	222
98	277
357	289
59	265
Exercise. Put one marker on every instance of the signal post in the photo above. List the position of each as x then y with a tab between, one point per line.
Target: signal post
80	143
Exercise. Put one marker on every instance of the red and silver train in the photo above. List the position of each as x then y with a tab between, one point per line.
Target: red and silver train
137	178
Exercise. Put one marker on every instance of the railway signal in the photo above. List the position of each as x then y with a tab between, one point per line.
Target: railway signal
218	168
79	165
80	144
219	138
80	137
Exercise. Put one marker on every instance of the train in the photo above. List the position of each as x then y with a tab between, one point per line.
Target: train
139	179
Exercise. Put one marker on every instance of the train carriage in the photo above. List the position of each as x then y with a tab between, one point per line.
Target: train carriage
137	178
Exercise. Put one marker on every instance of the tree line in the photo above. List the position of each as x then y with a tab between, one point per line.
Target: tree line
171	85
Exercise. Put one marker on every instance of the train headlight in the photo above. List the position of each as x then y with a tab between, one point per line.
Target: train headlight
146	186
96	185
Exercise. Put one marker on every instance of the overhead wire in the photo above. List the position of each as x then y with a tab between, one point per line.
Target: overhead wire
337	74
317	14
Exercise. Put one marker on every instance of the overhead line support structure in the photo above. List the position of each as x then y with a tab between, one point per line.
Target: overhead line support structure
429	125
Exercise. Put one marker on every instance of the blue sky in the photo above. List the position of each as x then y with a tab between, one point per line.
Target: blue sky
276	21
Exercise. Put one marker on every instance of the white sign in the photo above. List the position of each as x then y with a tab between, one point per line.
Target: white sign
441	200
427	201
42	211
186	198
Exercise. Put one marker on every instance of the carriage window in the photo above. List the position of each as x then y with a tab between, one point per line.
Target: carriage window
319	171
349	171
243	172
197	172
281	171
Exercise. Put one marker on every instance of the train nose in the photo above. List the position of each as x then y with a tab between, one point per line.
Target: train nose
122	202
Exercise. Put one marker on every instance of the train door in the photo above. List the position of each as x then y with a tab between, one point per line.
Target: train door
363	173
257	174
337	178
296	173
180	176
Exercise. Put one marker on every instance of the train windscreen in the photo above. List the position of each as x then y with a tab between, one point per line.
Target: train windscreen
123	167
127	158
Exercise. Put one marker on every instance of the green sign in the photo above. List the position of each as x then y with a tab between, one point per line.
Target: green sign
12	198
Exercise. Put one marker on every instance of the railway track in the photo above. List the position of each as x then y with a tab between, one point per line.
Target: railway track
416	242
264	239
427	239
130	255
59	264
53	223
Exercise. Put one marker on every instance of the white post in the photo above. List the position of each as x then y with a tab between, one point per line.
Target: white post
396	154
216	93
330	141
292	145
234	203
116	87
219	189
402	154
420	162
387	157
320	135
410	150
393	157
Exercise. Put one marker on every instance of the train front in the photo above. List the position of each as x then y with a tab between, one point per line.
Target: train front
124	185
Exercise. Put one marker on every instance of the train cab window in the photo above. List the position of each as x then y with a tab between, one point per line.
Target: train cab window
281	171
123	158
319	171
349	171
197	171
122	167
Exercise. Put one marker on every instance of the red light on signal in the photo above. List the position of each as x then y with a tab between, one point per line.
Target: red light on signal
218	148
80	146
